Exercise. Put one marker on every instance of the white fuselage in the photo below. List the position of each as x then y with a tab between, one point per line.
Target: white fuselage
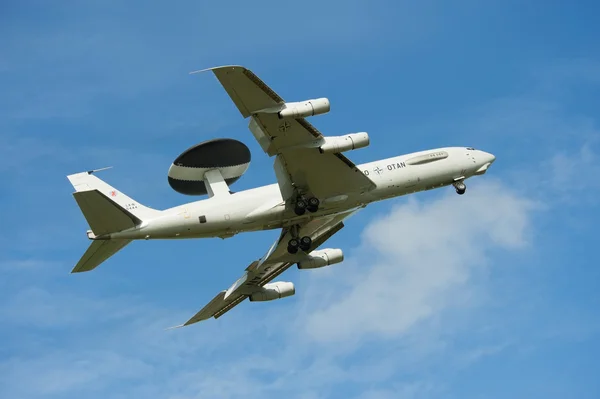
263	207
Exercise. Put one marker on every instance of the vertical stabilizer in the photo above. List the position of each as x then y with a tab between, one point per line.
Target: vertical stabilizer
87	181
107	211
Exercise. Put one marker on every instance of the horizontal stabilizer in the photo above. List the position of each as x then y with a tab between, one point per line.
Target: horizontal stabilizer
103	215
98	252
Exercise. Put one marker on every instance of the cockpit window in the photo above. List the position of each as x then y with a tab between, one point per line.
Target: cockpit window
471	148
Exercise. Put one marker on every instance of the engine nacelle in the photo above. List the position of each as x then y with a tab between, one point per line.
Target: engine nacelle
321	258
271	291
305	108
345	143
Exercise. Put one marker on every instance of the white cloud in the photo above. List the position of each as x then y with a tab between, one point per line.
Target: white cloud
417	261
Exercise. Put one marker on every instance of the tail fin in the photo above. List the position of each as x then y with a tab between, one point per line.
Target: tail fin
106	211
86	181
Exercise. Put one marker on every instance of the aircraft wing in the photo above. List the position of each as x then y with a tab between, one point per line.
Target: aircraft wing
276	261
324	175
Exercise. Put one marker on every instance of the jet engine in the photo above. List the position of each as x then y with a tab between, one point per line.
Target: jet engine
271	291
345	143
305	108
321	258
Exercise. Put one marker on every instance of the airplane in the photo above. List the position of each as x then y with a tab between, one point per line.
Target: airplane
317	188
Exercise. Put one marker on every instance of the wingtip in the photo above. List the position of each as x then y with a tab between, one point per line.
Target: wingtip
215	68
174	327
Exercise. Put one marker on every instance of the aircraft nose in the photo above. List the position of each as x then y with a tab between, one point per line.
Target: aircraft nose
489	157
485	159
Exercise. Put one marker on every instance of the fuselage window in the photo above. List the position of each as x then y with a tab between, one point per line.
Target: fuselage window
471	148
202	219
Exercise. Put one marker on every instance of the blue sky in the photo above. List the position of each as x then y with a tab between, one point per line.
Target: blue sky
493	294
